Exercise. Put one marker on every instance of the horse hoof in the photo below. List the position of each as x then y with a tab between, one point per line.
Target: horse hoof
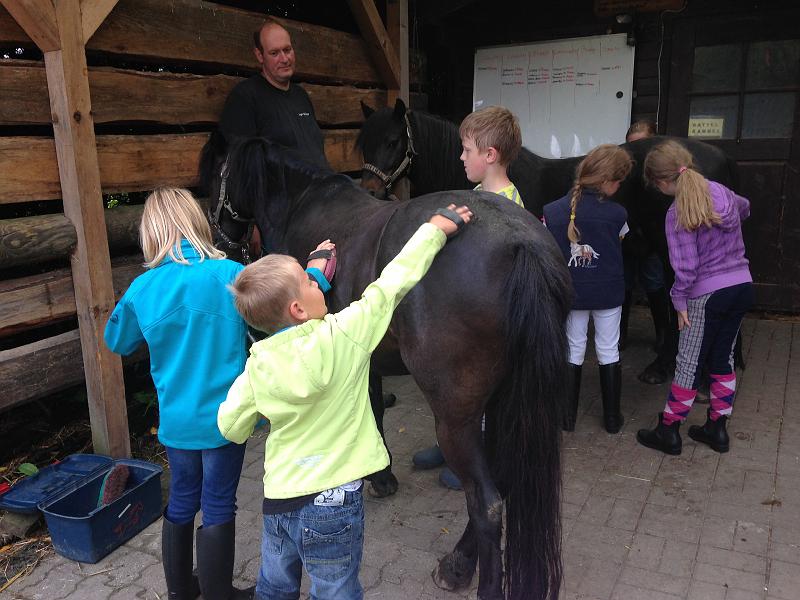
383	486
654	374
454	572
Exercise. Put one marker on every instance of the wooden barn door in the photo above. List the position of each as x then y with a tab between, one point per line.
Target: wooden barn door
735	82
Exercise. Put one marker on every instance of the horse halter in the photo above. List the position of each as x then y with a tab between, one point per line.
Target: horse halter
389	180
214	218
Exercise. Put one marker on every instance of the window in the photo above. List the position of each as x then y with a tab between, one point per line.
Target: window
744	91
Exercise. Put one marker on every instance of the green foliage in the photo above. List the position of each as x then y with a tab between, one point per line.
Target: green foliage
114	200
147	399
28	469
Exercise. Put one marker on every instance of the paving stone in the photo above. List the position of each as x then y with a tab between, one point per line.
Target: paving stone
653	581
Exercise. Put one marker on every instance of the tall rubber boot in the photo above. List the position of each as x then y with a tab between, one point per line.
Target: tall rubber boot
177	542
623	323
610	390
666	438
712	433
573	396
659	309
215	555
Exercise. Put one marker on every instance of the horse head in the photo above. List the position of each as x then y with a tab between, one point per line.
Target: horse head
384	143
246	186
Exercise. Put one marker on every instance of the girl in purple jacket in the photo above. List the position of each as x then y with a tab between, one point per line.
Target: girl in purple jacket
712	292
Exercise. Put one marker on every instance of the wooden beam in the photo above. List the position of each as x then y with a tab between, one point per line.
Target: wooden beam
397	27
93	13
38	19
194	31
29	172
79	173
378	43
42	299
121	95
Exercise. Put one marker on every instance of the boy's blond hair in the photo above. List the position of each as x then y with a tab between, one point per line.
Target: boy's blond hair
494	127
171	215
264	290
606	162
670	161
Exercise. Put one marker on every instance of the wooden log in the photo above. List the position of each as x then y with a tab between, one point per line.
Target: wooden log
41	299
163	31
29	171
42	368
44	238
125	95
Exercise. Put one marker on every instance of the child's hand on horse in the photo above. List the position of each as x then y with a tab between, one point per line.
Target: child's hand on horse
451	219
319	262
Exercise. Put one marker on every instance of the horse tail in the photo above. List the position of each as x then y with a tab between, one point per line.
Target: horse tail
528	421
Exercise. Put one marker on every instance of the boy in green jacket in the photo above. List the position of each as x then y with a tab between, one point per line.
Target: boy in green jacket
309	378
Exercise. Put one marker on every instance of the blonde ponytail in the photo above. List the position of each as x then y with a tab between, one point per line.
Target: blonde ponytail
671	162
573	233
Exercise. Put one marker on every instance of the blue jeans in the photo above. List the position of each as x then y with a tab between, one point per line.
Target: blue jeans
204	479
328	540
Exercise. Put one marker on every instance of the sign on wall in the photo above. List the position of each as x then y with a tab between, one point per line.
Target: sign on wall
569	95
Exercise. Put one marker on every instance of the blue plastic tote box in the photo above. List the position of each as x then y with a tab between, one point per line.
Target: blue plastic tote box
67	493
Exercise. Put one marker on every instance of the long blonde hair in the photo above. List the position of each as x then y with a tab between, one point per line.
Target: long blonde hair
669	162
606	162
170	215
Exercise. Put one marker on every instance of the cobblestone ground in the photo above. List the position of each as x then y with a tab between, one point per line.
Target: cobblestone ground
637	524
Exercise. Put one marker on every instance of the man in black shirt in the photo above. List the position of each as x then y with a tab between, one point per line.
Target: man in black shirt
269	104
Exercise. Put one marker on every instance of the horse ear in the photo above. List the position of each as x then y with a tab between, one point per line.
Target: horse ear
399	109
366	110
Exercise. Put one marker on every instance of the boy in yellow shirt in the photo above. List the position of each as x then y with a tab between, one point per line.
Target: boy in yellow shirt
490	141
310	379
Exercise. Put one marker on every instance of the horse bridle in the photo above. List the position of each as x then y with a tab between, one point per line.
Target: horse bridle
214	218
389	180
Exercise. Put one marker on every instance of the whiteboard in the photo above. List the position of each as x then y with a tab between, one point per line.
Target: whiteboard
569	95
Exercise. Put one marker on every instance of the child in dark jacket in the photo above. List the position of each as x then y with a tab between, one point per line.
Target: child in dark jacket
589	230
712	292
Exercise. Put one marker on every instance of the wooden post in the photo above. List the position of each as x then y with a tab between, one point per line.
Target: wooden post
76	150
379	45
397	28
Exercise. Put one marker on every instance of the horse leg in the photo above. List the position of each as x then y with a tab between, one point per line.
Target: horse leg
383	483
455	570
464	450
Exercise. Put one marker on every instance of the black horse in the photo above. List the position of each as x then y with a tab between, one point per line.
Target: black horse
429	147
483	333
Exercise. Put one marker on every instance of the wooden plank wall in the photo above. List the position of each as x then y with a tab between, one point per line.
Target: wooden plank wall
186	56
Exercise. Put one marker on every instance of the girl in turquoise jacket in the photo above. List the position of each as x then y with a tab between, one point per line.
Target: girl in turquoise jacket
181	307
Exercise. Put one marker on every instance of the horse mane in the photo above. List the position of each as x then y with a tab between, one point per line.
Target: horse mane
437	140
259	174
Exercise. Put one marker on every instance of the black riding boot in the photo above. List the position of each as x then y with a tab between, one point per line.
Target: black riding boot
573	394
659	309
666	438
623	323
610	390
176	555
215	554
712	433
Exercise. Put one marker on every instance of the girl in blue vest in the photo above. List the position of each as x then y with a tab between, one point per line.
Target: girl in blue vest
589	230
